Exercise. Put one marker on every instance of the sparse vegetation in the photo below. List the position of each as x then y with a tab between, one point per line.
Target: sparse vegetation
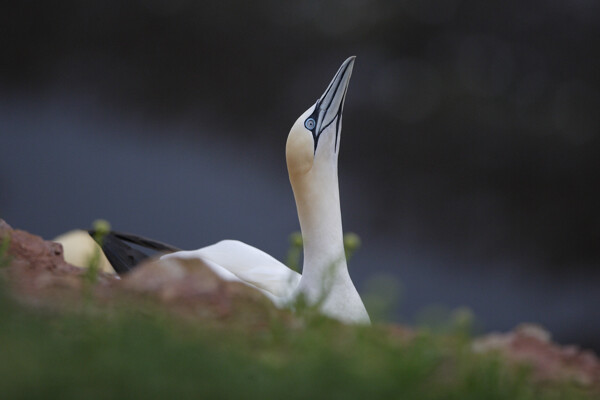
352	243
295	251
126	347
4	257
101	229
132	354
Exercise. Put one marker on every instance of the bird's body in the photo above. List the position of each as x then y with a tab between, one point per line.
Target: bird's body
311	153
233	260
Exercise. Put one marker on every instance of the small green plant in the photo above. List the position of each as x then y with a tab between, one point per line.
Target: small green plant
438	319
5	258
101	229
381	296
352	243
295	251
300	304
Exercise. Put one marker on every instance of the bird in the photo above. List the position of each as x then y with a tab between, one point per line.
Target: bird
312	149
79	248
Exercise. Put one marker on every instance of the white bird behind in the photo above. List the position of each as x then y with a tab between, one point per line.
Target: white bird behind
79	248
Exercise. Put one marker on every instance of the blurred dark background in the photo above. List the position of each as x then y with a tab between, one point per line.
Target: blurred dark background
469	162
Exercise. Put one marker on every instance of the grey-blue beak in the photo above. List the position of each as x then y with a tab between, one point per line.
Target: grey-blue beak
331	104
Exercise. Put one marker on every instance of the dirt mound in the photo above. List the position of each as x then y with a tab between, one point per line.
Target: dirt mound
37	274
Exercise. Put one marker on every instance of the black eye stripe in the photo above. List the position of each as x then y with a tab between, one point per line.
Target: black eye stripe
311	124
336	118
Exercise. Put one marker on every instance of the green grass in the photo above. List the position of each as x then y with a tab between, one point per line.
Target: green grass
136	349
5	259
92	353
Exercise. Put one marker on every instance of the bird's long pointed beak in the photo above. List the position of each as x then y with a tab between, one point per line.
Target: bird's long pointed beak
331	103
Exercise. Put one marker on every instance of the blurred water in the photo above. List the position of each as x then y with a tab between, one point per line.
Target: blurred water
66	160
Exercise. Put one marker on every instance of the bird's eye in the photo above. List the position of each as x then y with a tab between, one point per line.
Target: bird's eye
309	124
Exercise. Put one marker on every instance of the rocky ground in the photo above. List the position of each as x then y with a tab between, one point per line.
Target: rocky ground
37	275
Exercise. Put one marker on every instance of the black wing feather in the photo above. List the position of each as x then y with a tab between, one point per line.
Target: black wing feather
124	257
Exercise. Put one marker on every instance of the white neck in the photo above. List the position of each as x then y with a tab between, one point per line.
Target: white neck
325	273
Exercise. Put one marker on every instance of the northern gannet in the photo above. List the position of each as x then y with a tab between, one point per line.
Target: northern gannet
312	150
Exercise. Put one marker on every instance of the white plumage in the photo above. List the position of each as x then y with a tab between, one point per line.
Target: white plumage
233	260
311	153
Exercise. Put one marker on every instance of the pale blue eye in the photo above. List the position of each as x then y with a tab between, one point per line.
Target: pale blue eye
309	124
